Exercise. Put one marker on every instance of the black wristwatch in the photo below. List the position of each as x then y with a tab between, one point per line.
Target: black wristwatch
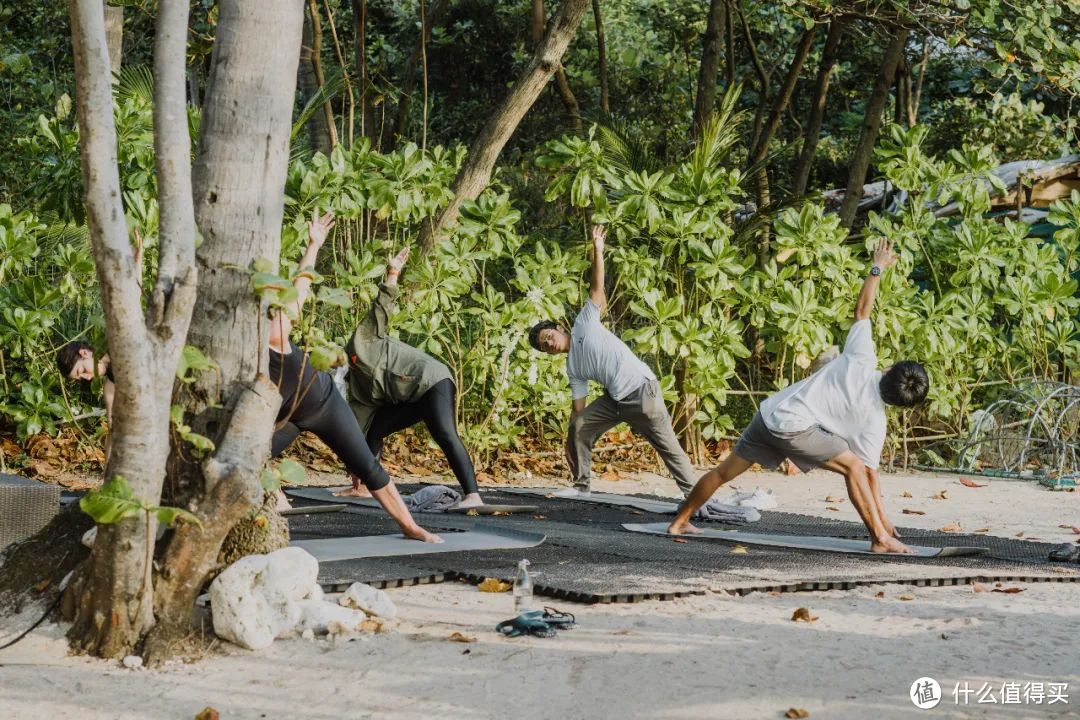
875	271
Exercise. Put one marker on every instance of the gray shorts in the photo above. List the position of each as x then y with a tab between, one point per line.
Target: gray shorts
808	448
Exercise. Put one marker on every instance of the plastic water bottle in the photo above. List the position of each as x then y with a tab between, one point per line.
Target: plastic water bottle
523	589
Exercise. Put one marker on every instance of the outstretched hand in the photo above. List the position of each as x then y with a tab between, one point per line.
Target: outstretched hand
398	261
319	227
884	256
599	233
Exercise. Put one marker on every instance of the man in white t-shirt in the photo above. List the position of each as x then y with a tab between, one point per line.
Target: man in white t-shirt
631	391
834	419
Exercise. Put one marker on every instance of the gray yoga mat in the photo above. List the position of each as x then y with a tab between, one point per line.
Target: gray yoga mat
479	538
802	542
660	507
324	494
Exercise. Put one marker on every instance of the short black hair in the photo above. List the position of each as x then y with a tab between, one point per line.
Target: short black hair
68	355
534	333
905	384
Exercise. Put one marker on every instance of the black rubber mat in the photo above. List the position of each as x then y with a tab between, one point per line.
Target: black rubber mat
589	558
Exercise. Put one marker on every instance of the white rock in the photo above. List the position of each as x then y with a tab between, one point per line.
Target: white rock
315	593
89	536
132	662
370	600
318	615
256	598
308	634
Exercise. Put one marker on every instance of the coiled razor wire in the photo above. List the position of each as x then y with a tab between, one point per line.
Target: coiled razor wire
1033	432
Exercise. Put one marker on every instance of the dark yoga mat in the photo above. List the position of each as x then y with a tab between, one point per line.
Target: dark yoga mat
803	542
323	494
660	507
479	538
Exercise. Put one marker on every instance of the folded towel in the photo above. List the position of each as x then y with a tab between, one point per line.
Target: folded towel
732	514
432	498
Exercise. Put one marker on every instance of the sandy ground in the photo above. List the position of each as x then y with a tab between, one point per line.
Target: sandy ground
715	656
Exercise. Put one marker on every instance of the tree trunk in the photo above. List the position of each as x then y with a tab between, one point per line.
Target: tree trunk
315	56
683	418
729	32
308	79
484	151
913	109
433	18
537	22
601	52
114	36
239	180
710	66
860	160
112	596
367	113
829	56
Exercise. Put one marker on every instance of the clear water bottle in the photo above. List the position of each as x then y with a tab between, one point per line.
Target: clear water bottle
523	589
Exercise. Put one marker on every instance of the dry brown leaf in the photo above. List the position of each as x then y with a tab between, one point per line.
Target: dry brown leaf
982	530
773	593
208	713
610	475
374	626
418	470
797	713
880	594
494	585
738	550
473	512
906	597
909	511
978	587
43	468
1076	530
833	499
970	483
1009	590
486	478
261	521
458	637
943	495
1019	534
830	507
40	587
905	494
803	614
951	528
679	540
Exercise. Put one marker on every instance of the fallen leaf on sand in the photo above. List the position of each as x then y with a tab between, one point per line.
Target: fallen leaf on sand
951	527
458	637
486	478
830	507
880	594
679	540
738	550
909	511
833	499
796	713
943	495
40	587
774	594
1009	590
803	614
610	475
374	626
905	494
970	483
1019	534
208	713
493	585
982	530
473	513
906	597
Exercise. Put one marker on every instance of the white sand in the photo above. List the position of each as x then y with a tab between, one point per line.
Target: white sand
715	656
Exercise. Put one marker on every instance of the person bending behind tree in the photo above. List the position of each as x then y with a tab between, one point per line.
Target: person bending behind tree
834	419
309	401
393	386
631	391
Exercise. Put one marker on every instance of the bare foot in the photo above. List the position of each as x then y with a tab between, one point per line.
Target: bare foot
471	500
418	533
360	492
683	528
892	545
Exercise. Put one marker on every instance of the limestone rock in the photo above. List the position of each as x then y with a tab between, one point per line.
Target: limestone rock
371	600
318	615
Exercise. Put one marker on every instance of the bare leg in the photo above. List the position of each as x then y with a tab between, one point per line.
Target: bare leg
357	489
732	467
858	487
875	489
391	501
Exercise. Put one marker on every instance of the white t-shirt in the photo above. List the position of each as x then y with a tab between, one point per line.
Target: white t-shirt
596	354
843	397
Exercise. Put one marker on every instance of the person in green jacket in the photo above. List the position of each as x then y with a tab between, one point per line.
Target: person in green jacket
393	386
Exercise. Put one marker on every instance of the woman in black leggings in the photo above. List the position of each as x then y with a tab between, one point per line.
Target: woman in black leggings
393	386
310	402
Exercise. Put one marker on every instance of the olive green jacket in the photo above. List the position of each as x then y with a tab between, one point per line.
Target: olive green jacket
382	369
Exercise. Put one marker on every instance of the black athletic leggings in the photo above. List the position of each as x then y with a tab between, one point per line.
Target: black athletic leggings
334	423
436	409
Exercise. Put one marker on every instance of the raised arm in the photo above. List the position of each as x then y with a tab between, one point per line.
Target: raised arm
596	287
884	258
377	320
280	323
